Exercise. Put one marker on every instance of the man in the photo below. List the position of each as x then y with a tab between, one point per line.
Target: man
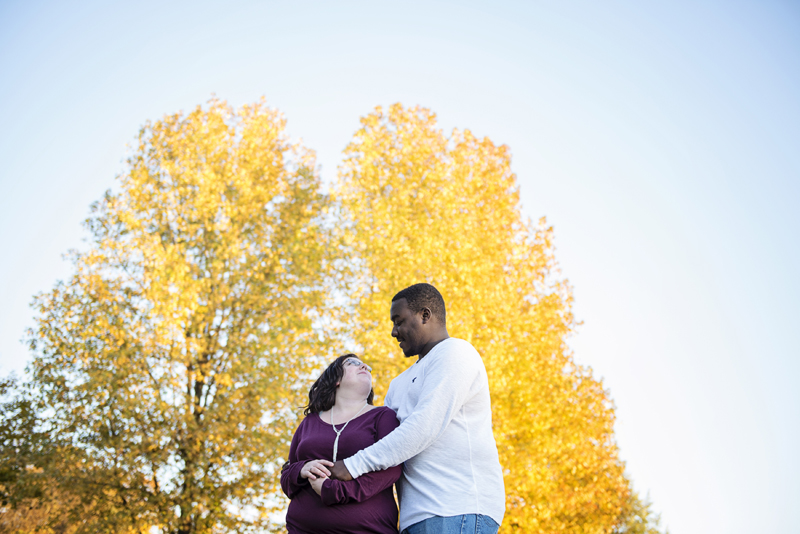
452	480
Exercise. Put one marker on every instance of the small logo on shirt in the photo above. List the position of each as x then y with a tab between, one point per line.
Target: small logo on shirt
412	380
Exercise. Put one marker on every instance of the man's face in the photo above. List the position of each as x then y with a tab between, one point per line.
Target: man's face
407	328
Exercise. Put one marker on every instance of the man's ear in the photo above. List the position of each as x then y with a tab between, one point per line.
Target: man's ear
426	315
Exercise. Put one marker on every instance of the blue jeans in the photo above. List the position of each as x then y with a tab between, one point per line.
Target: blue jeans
457	524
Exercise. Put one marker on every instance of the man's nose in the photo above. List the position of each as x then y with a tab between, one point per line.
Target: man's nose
394	331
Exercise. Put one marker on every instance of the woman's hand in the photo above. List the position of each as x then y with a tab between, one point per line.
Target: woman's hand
316	468
317	484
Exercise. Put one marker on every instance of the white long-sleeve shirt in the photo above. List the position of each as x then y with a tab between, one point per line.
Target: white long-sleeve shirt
445	438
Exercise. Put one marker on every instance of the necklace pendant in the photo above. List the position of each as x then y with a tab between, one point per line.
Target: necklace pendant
335	447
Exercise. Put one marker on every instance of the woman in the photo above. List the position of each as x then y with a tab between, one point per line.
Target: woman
340	421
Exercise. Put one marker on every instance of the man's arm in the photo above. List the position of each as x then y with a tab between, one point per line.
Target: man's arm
343	491
450	380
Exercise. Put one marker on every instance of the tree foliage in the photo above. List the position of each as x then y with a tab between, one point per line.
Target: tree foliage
169	361
169	370
638	518
422	206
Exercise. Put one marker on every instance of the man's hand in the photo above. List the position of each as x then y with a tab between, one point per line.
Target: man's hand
316	469
339	471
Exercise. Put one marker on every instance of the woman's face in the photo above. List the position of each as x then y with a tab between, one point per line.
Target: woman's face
357	374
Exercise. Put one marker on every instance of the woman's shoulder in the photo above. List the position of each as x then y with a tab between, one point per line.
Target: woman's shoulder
383	420
377	412
308	421
382	410
382	413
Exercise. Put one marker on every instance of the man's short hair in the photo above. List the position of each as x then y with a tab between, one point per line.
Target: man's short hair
421	296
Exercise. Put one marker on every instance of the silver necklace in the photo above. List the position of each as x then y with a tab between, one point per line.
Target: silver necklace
339	432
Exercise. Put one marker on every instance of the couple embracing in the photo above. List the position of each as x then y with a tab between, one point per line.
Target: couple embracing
433	438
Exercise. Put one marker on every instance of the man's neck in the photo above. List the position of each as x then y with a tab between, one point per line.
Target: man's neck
429	345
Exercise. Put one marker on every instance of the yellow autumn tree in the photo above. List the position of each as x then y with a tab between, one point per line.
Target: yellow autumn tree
167	365
422	206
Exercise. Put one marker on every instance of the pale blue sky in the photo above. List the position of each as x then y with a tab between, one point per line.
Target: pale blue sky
661	141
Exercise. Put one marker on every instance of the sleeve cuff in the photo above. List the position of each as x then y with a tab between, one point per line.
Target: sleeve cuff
299	480
328	494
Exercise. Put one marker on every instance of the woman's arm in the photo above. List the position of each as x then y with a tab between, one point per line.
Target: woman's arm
291	481
367	485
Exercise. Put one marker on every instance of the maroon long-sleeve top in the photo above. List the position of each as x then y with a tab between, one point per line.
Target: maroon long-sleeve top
360	506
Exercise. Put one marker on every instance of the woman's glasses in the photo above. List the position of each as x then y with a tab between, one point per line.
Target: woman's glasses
357	363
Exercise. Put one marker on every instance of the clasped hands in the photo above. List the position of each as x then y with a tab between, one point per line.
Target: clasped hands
316	471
